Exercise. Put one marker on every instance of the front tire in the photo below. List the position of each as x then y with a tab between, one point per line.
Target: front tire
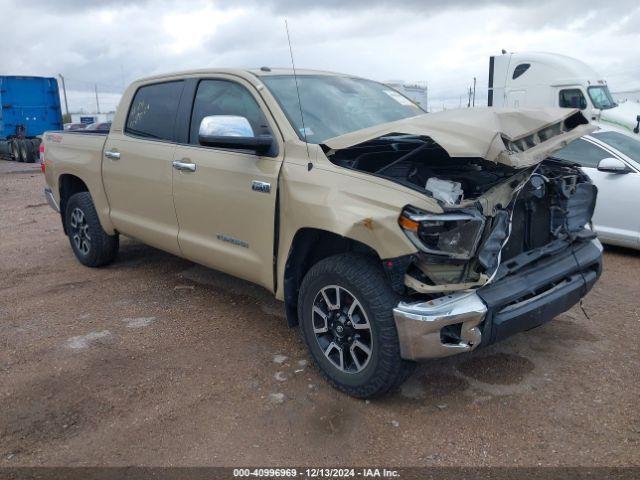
345	308
91	245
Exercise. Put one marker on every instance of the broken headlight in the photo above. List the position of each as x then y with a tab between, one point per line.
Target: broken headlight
455	235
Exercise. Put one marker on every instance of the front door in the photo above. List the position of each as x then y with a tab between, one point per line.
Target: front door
614	218
226	202
137	168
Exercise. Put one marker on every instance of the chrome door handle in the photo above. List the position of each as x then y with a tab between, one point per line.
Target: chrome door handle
112	155
184	166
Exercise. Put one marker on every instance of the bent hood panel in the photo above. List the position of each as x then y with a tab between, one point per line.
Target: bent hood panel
517	138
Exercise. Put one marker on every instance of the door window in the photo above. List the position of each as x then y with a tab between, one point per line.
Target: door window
583	153
572	98
153	111
629	146
224	97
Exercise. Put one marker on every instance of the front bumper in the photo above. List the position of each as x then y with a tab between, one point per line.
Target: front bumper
48	193
520	301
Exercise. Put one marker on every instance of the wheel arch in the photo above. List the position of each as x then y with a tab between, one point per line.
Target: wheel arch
309	246
69	185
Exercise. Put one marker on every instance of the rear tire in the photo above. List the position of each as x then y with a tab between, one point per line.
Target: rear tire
31	151
329	329
5	149
24	154
91	245
15	150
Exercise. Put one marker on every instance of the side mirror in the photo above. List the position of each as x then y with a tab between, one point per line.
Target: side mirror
612	165
234	132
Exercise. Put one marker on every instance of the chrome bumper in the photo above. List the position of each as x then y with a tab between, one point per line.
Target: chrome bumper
419	325
48	193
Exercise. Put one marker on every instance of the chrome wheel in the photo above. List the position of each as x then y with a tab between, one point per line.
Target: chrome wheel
80	231
342	329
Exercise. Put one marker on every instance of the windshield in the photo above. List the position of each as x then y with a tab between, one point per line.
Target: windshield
334	105
601	97
623	143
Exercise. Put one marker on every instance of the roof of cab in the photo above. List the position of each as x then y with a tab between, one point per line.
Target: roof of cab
245	73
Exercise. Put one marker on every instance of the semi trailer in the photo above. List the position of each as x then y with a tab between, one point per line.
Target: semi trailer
540	80
29	106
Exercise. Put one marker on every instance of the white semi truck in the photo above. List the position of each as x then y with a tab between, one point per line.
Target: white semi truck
537	79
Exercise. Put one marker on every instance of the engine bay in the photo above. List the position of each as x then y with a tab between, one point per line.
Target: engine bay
493	213
414	161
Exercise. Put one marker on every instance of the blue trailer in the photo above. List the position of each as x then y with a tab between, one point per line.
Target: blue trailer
29	106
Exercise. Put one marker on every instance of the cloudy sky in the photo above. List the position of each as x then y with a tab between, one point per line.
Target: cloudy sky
443	42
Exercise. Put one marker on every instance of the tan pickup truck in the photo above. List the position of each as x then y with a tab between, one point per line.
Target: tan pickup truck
392	236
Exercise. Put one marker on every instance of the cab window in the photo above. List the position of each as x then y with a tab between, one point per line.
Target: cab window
153	111
583	153
572	98
224	97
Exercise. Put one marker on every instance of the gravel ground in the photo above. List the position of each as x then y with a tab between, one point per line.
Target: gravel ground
155	360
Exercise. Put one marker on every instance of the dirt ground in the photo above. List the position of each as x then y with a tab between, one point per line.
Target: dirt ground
155	360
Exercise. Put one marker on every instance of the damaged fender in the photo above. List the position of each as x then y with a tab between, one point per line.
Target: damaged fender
351	204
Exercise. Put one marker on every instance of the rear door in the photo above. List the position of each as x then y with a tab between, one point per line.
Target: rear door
225	221
615	217
137	168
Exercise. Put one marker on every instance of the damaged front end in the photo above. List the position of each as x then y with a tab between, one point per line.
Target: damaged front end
512	247
464	247
535	258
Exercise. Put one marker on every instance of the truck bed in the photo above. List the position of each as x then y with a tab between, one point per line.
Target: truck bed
79	155
86	132
75	147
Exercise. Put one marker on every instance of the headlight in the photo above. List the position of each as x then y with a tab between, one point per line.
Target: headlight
455	235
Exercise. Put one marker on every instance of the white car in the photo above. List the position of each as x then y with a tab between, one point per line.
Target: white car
612	160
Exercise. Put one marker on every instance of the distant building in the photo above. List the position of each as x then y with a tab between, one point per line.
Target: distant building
416	91
91	117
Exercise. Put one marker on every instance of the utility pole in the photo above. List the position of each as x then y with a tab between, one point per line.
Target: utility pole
426	97
474	91
122	76
95	86
64	91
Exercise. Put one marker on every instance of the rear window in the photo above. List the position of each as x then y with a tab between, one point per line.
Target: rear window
153	111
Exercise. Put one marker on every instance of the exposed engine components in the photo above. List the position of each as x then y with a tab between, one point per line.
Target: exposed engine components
462	250
444	190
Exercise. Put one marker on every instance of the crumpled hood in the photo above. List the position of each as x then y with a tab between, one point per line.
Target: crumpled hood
517	138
